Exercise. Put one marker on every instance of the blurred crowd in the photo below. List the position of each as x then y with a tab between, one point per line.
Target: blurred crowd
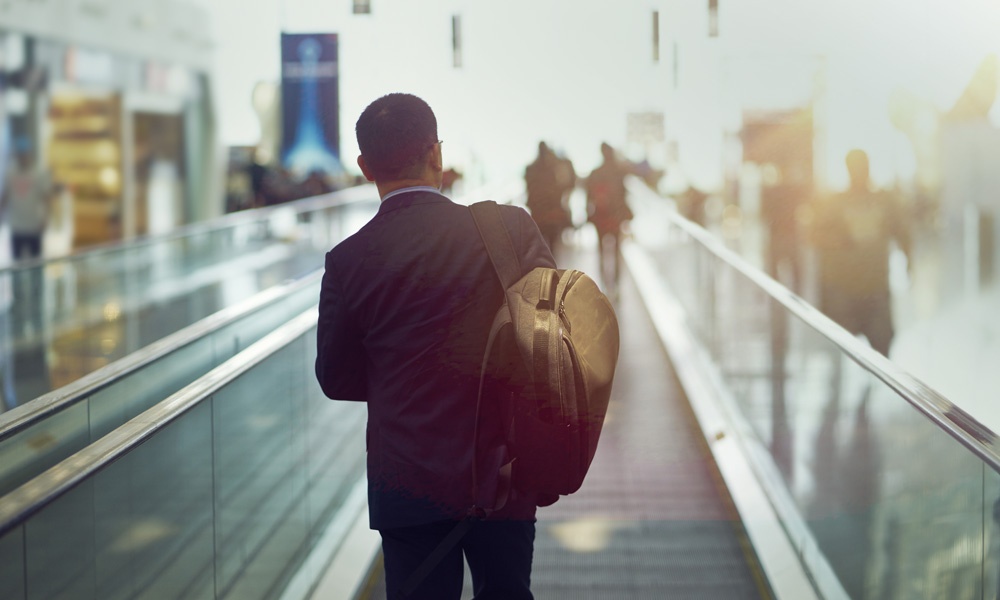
551	179
251	183
851	235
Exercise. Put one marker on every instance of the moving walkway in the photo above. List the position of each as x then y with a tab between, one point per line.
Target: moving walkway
753	447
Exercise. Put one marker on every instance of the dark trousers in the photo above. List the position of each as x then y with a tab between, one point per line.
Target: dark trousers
499	555
26	245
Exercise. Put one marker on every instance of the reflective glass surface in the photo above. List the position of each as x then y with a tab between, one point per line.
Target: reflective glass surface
28	452
64	318
223	501
880	501
219	267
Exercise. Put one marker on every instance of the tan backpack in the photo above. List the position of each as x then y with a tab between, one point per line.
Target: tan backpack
551	359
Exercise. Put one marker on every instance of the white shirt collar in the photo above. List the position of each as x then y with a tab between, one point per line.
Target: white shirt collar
415	188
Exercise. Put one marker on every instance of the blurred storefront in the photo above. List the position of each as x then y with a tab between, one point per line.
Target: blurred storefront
117	108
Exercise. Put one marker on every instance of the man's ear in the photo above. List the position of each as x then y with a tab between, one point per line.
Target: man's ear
364	168
436	162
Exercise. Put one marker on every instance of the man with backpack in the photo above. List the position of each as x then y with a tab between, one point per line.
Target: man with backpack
405	311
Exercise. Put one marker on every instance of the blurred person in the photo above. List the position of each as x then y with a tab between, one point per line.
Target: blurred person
29	196
781	207
608	210
405	309
316	183
546	180
566	176
278	186
28	199
853	232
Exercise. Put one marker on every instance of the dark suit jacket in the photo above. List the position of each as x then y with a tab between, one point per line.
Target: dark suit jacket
405	309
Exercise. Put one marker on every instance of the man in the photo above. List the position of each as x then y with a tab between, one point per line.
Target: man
28	205
29	194
405	310
781	210
607	210
548	183
853	232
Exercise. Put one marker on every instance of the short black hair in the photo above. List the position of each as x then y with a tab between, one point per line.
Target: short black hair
395	133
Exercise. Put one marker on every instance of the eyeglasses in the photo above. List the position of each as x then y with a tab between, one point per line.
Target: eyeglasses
438	143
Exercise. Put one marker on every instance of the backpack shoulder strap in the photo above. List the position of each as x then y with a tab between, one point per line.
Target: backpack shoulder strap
497	239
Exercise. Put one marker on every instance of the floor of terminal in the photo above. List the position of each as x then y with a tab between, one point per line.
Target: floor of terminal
653	519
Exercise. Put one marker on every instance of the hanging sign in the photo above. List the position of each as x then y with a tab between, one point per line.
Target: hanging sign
310	140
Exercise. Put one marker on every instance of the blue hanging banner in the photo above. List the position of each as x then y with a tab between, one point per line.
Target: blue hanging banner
310	138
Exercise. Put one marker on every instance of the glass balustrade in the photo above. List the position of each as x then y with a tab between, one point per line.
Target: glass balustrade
76	415
874	489
63	318
223	499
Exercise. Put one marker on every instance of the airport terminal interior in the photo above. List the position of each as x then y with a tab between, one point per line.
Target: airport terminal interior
173	174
